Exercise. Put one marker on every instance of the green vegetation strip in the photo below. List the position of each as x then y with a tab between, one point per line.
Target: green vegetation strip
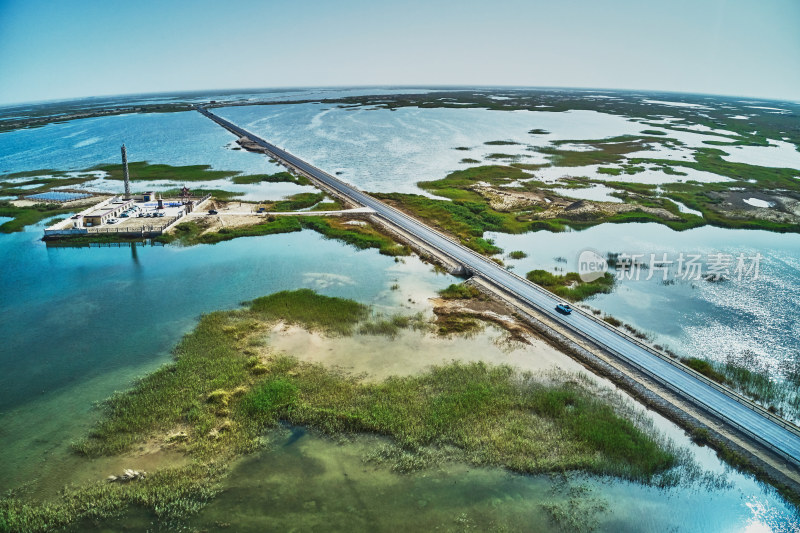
500	143
278	177
44	181
222	394
298	202
362	237
570	286
25	216
460	291
144	171
218	194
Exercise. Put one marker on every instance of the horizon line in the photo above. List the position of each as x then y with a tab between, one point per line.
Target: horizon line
385	86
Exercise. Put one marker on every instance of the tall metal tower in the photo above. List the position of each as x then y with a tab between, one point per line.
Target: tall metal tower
125	173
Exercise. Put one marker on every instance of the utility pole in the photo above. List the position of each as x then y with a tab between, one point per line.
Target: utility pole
125	173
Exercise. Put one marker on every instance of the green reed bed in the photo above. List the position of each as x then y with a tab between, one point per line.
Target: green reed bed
775	390
307	308
170	494
457	324
144	171
278	177
460	291
390	326
191	233
570	286
362	237
491	414
297	202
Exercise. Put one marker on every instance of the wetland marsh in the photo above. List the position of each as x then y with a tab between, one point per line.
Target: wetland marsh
321	403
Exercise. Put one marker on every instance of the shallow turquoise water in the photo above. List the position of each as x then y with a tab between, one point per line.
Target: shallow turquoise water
71	313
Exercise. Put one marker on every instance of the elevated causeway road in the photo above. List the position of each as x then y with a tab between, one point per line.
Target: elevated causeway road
771	431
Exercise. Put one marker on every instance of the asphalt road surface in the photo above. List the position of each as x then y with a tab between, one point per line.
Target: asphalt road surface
766	429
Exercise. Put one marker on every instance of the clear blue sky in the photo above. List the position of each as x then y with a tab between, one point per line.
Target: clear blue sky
70	48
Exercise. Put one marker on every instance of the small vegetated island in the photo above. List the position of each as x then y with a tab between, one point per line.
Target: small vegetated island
226	387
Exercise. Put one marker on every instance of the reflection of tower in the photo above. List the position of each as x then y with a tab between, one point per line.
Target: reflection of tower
134	254
125	173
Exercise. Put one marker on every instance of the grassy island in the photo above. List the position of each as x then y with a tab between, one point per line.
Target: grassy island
570	286
225	388
144	171
361	237
278	177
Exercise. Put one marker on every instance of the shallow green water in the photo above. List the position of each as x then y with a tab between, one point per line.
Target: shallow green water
304	482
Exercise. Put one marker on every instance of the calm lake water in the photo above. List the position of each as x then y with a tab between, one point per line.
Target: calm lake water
79	323
382	150
375	149
75	316
694	318
172	138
